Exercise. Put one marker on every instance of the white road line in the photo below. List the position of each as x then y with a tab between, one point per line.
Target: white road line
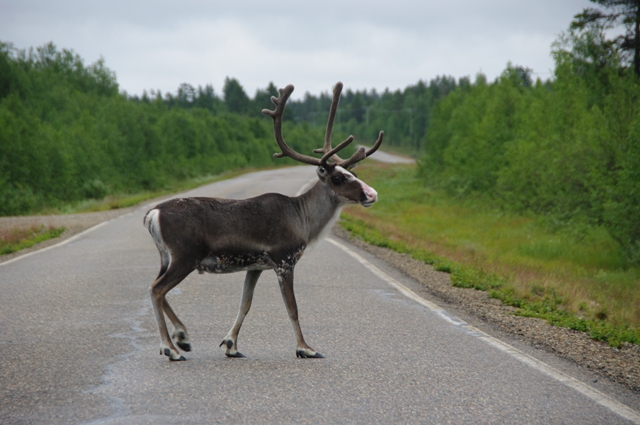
595	395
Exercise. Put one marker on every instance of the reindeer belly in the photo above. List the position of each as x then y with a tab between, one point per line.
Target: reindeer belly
231	263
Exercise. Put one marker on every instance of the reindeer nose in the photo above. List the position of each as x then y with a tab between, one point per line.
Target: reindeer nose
370	194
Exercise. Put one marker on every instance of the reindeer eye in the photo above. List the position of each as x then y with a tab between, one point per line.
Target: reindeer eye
338	179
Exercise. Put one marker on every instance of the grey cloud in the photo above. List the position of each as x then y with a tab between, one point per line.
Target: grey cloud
366	44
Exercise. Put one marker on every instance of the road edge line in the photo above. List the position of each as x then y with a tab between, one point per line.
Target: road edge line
571	382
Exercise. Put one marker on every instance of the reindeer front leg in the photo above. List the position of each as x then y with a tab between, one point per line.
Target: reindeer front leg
285	278
231	340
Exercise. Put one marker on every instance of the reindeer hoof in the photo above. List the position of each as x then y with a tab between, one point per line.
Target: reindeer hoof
308	354
179	359
182	340
175	357
230	352
184	346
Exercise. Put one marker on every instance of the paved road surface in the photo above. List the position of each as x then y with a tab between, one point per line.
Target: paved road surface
79	344
390	158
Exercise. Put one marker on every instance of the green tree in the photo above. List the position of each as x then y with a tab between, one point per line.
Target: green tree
262	99
186	95
235	97
206	98
615	13
622	209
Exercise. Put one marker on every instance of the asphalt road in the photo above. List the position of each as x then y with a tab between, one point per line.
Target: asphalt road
79	343
389	157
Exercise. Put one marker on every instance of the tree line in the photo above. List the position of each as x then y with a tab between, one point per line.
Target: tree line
68	134
568	148
403	114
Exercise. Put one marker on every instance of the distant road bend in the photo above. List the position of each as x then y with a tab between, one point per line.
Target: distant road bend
79	343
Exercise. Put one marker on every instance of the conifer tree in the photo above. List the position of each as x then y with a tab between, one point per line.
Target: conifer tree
615	13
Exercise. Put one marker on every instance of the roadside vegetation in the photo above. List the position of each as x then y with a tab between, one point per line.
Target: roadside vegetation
567	149
125	200
570	275
16	239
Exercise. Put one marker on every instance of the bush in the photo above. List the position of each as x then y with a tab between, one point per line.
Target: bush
622	209
94	189
17	200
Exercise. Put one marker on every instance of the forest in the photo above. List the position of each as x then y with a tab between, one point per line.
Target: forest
68	134
404	115
567	149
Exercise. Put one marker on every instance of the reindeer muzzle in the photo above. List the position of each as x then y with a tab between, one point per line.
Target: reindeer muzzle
369	196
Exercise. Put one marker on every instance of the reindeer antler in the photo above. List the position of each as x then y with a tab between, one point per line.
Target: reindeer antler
329	153
361	153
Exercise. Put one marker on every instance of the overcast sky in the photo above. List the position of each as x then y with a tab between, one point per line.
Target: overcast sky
364	43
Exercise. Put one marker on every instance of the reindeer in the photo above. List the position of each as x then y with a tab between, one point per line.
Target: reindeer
270	231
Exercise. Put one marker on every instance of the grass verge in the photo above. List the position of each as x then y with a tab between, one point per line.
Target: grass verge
571	276
16	239
124	200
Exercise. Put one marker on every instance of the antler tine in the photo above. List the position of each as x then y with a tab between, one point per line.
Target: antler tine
332	152
327	150
276	115
337	89
362	153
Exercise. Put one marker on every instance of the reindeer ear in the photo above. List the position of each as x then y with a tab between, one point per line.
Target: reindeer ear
322	172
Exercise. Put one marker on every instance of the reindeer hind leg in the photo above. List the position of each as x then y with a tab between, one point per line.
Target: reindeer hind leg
180	333
176	272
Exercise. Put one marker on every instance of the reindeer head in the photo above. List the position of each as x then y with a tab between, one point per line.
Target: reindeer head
346	186
333	171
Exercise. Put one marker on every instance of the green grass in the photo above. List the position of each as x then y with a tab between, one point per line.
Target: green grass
572	276
17	239
125	200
